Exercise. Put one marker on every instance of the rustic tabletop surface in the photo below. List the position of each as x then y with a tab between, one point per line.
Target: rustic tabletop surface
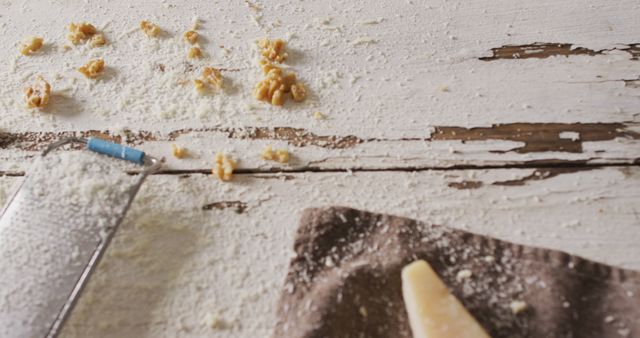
515	119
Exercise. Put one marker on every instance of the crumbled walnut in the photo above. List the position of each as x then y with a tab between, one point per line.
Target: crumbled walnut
278	98
267	153
93	68
98	40
37	96
288	80
191	37
150	29
443	88
319	116
31	45
194	53
199	85
274	88
178	152
273	50
267	66
261	90
298	92
80	32
280	155
212	76
224	167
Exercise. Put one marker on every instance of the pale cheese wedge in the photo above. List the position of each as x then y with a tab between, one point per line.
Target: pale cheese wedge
433	311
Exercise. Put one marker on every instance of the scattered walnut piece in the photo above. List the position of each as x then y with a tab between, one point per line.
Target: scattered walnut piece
199	85
224	167
150	29
289	79
267	153
178	152
443	88
273	50
212	76
194	53
191	37
31	45
93	68
98	40
267	66
278	98
80	32
298	92
37	96
261	90
518	306
274	88
280	155
215	322
319	116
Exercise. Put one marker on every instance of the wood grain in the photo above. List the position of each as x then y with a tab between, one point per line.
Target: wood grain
593	213
518	144
509	118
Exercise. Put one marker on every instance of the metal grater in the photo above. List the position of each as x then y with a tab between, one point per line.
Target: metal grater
49	248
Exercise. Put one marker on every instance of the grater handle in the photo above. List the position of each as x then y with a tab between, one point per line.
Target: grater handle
115	150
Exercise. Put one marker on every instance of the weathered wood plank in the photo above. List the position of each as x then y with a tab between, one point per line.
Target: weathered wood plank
380	76
507	144
193	246
406	85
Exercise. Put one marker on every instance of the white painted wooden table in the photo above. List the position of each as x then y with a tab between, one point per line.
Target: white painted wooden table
510	118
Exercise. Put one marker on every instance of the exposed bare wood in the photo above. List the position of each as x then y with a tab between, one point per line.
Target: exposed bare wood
465	185
635	83
294	136
541	174
540	137
541	50
507	144
237	206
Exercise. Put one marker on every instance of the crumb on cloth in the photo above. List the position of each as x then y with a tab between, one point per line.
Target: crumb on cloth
518	306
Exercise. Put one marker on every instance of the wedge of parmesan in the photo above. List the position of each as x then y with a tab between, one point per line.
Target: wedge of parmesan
433	311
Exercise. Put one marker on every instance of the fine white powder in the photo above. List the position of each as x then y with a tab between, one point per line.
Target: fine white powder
68	204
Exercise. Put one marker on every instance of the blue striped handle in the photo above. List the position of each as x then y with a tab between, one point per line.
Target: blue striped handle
115	150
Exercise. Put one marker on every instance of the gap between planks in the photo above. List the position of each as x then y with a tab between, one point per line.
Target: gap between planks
578	165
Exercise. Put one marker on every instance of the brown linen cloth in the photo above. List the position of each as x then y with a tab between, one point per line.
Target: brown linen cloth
345	281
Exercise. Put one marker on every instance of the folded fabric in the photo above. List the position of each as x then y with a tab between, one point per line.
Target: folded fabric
345	281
